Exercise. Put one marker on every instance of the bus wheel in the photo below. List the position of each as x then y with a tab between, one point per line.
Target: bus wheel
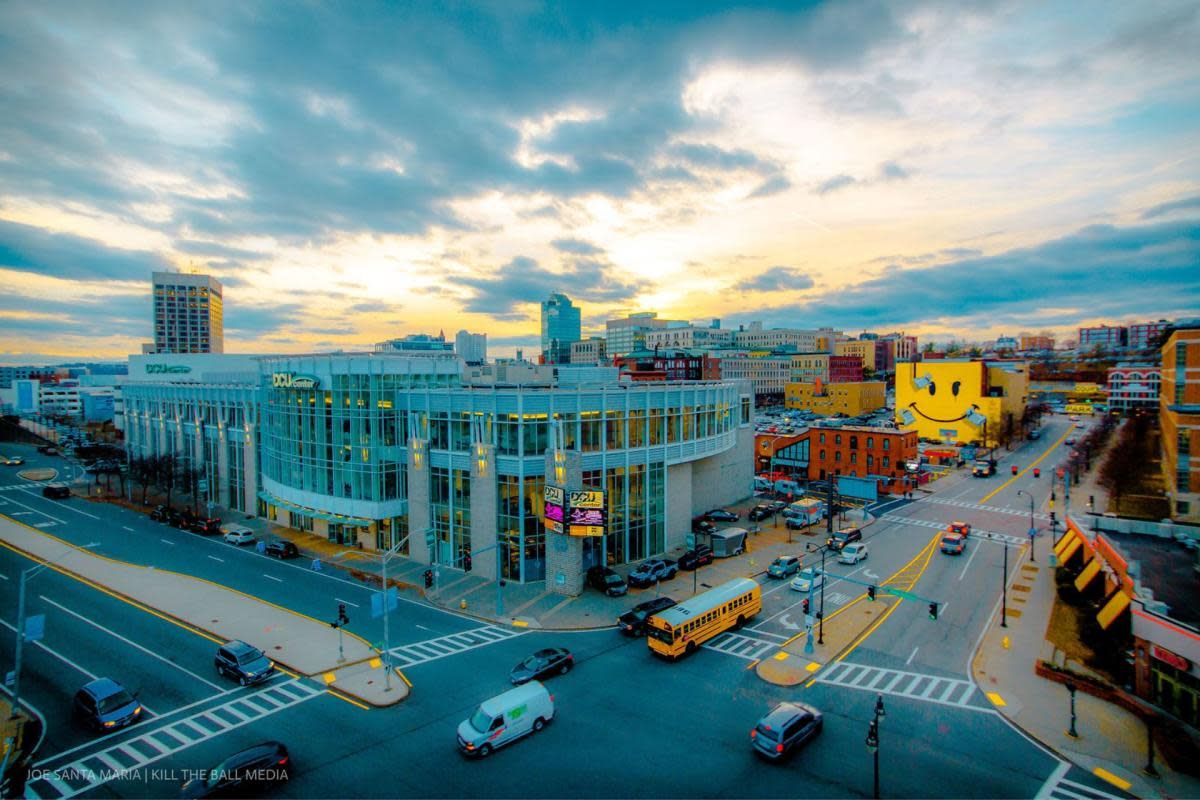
741	621
691	648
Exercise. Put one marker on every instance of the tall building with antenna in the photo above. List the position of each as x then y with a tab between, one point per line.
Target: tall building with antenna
188	313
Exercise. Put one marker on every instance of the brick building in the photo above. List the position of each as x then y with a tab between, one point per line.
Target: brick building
1179	417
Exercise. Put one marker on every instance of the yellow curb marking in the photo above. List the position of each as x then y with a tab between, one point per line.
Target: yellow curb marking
376	663
781	656
329	678
996	699
404	678
1013	612
349	700
1103	774
753	664
813	666
520	623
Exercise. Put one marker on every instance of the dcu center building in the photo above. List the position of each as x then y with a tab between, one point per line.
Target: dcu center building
374	450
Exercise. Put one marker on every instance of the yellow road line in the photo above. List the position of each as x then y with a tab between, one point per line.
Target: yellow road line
349	700
1049	450
404	678
1115	780
996	699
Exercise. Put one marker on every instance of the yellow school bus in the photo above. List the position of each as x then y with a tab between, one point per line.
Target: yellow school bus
682	628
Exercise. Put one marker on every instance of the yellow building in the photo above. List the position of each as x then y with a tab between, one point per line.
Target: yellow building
962	401
863	349
850	399
810	367
1179	416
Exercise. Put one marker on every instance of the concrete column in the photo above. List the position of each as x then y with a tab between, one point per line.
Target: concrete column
222	466
485	496
419	518
250	472
564	554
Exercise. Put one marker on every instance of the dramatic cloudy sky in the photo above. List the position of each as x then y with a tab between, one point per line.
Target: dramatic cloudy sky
357	171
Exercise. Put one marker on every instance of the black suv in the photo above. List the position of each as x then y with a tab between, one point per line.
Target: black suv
280	549
698	557
160	514
842	538
56	491
243	663
242	774
633	621
786	727
607	581
760	512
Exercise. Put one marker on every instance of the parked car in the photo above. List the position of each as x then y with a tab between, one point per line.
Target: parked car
806	577
954	544
48	449
785	728
650	572
56	491
160	513
697	557
183	520
281	549
700	525
206	527
236	534
784	566
14	461
106	705
853	553
760	512
243	663
843	537
960	527
720	515
242	774
542	664
606	580
633	621
777	506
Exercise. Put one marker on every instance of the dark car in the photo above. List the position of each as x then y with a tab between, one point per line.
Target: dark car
105	705
785	728
161	514
56	491
701	525
607	581
633	621
242	774
720	515
243	663
759	512
843	537
48	449
777	506
650	572
183	520
701	555
282	550
207	527
542	664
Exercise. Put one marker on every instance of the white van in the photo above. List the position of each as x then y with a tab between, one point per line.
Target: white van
504	718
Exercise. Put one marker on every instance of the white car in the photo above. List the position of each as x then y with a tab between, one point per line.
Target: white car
853	553
807	576
236	534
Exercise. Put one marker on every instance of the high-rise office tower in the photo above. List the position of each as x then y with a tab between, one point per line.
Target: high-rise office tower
471	347
188	313
560	327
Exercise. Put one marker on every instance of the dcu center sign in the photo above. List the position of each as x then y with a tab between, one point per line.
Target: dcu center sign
290	380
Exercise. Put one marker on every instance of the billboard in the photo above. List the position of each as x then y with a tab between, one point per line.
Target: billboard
555	508
586	513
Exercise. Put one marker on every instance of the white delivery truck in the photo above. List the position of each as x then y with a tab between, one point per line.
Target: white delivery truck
728	542
807	511
505	718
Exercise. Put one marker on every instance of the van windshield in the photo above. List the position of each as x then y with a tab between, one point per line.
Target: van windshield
481	721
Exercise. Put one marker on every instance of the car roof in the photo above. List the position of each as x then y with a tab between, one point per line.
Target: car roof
238	646
785	712
103	687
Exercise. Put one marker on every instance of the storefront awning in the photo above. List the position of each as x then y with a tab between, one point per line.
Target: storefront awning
1116	604
271	499
1089	572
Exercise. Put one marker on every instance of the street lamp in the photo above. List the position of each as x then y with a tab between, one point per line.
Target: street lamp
1032	529
26	575
1003	584
1072	732
821	612
873	739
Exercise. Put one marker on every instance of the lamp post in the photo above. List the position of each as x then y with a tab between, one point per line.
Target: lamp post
873	739
1072	732
26	576
1032	529
821	610
1003	585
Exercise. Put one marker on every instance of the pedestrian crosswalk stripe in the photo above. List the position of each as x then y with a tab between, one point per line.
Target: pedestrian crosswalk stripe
976	533
1063	789
978	507
926	688
86	772
740	645
410	655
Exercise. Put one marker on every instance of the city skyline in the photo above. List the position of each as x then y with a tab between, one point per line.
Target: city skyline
352	174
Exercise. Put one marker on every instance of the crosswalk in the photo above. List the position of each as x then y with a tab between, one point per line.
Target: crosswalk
943	501
751	648
913	685
129	756
1059	788
410	655
976	533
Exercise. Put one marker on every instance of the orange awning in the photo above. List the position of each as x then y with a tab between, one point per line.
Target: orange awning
1116	604
1089	572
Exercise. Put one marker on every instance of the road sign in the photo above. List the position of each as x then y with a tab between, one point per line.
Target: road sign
35	627
1032	532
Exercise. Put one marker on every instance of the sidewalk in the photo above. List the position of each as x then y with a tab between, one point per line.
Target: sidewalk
1112	741
298	643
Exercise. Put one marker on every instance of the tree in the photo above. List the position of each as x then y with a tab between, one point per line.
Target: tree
166	473
141	471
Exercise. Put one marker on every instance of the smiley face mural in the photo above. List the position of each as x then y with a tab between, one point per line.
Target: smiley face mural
957	401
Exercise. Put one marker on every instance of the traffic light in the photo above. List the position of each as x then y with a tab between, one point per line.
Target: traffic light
428	579
342	618
1052	518
933	610
804	605
871	593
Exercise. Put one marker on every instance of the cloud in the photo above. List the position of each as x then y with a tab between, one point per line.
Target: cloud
59	255
776	279
835	183
891	171
1183	204
373	306
772	185
250	323
887	172
523	281
576	246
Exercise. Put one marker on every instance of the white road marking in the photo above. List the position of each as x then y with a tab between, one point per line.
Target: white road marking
129	642
410	655
912	656
913	685
168	541
127	528
272	578
967	566
54	653
3	576
1059	772
356	605
218	560
422	627
740	645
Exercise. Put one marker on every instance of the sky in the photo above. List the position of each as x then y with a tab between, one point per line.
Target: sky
354	172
